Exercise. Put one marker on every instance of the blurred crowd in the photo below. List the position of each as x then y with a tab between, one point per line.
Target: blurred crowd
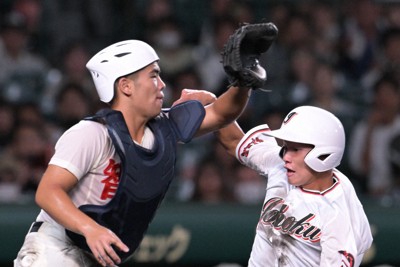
343	56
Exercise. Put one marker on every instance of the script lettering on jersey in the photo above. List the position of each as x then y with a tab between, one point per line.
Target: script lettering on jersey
112	171
273	214
246	149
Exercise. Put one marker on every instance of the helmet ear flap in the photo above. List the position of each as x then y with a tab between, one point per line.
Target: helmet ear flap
321	160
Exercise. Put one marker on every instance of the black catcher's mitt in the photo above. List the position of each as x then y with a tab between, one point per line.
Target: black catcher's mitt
242	51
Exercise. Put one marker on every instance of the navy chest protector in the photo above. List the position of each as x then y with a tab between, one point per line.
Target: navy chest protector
145	174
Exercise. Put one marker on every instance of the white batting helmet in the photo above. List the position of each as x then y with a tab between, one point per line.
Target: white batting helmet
317	127
118	60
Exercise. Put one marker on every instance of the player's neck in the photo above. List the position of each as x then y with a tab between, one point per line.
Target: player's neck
322	181
135	122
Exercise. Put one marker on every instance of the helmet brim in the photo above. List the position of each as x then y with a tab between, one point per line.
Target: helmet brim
284	135
279	134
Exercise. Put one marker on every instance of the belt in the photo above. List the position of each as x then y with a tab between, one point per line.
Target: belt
35	227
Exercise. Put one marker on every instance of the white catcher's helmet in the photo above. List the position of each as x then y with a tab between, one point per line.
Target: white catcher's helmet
317	127
118	60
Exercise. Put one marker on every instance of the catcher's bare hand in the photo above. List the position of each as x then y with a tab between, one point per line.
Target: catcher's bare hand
103	242
241	54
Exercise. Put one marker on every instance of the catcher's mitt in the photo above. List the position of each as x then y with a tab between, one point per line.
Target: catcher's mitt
241	53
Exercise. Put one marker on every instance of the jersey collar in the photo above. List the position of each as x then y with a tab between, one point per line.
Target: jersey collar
316	192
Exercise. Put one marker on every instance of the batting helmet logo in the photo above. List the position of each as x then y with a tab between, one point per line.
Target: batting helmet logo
289	117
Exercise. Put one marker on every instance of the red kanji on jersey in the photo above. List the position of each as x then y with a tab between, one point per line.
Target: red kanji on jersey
246	149
112	171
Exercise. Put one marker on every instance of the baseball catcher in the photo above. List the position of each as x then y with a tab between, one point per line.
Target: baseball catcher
111	171
241	53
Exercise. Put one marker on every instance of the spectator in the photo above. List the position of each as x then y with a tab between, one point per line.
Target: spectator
31	114
64	21
302	68
299	31
216	10
210	185
368	146
278	57
10	184
359	39
393	196
249	186
388	60
72	104
208	58
7	123
71	69
273	117
204	149
155	10
391	12
33	12
325	88
326	31
75	55
391	54
22	73
277	63
31	150
168	39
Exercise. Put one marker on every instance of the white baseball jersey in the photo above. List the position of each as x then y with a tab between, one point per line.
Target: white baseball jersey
92	158
85	150
299	227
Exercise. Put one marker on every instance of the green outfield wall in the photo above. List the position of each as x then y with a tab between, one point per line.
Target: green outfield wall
203	235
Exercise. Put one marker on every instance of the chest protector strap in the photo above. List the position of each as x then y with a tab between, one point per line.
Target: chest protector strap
145	174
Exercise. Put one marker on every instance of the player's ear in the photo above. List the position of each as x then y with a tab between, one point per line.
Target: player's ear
125	85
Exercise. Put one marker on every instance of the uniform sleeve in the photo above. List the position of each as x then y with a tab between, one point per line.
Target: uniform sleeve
80	148
259	151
